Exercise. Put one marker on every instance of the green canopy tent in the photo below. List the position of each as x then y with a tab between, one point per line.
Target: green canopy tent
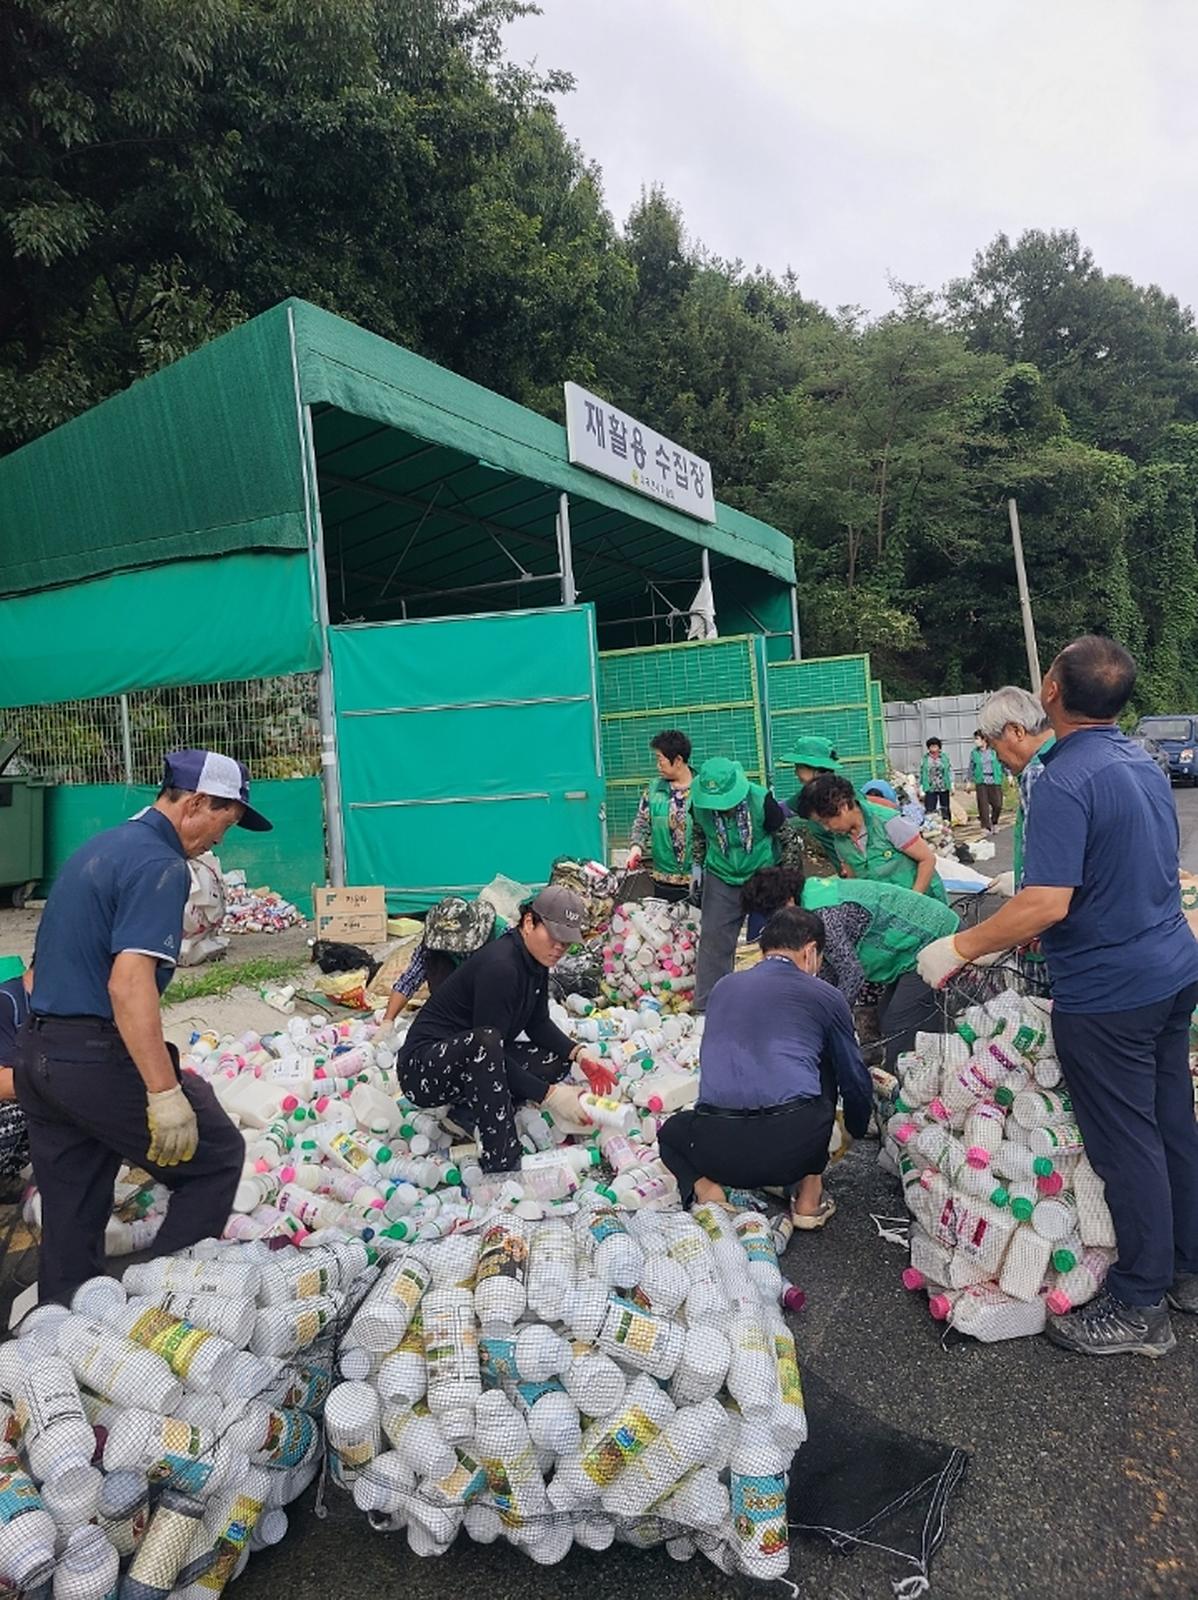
301	495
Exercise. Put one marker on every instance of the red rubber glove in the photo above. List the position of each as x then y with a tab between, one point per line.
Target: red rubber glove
601	1078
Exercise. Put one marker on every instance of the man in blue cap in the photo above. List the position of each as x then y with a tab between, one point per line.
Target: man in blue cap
95	1077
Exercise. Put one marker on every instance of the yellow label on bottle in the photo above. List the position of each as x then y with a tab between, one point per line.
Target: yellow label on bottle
633	1432
408	1286
412	1343
790	1381
176	1342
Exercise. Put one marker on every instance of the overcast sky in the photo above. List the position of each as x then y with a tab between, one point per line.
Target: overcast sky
857	139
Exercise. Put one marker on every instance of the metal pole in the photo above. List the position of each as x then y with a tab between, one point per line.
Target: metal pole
794	623
565	551
325	704
1025	603
127	740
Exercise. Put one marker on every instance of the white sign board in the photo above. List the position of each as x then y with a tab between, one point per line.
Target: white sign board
610	442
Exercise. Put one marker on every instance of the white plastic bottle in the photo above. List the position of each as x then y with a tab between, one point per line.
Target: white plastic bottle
551	1269
703	1368
788	1419
753	1231
752	1380
55	1433
639	1339
506	1453
123	1511
1094	1220
231	1319
609	1444
232	1276
690	1437
161	1554
1055	1218
985	1313
451	1355
161	1446
114	1366
27	1530
206	1363
283	1330
1081	1283
352	1430
88	1568
1025	1264
414	1434
384	1315
758	1494
616	1258
402	1378
594	1382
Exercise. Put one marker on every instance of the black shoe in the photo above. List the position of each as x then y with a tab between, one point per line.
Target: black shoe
1107	1327
1183	1296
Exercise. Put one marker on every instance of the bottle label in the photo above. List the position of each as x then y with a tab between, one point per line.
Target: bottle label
633	1433
759	1512
503	1253
629	1328
18	1492
347	1460
502	1481
497	1358
451	1347
176	1342
530	1393
755	1237
235	1535
289	1436
350	1151
465	1483
790	1382
602	1224
412	1343
41	1407
690	1248
309	1283
309	1323
408	1285
184	1473
708	1221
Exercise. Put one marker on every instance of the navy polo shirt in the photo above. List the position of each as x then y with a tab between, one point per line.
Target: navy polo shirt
14	1008
1106	827
124	890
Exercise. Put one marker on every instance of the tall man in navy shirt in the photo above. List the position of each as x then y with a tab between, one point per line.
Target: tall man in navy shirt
1102	892
96	1079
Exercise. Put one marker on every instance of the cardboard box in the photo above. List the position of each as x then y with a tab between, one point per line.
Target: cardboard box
354	916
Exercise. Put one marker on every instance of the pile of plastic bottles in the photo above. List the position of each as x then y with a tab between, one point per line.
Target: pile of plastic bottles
1011	1220
331	1141
256	910
650	953
613	1376
152	1434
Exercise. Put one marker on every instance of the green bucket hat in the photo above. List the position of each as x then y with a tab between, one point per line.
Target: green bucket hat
720	785
811	752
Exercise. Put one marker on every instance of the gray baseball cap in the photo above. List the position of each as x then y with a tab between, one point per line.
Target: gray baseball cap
562	911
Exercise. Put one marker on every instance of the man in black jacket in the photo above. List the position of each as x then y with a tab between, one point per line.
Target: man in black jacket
465	1048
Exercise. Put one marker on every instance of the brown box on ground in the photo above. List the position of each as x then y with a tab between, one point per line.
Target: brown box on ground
357	916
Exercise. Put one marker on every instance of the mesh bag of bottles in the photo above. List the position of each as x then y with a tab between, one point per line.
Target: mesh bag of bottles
610	1376
153	1433
1010	1220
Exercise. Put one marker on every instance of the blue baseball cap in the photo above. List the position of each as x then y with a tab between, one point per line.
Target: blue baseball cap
207	772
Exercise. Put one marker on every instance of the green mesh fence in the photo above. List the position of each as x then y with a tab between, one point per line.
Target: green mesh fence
830	698
714	691
877	719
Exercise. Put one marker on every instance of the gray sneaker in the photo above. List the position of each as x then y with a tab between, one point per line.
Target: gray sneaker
1108	1327
1183	1296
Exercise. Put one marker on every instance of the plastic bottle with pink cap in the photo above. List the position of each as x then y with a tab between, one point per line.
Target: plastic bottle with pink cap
1081	1282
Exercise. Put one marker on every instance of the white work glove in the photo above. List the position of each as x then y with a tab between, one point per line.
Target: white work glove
174	1134
564	1105
941	960
1004	884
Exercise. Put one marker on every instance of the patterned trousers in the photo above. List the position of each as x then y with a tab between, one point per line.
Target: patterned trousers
482	1078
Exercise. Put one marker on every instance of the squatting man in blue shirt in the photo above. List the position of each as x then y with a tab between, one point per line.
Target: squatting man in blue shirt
778	1047
96	1079
1101	892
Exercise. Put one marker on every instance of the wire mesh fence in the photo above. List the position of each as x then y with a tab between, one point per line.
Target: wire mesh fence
269	723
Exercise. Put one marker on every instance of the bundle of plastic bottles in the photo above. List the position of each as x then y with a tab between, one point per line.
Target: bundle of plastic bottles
331	1141
153	1433
615	1376
1010	1219
650	953
256	910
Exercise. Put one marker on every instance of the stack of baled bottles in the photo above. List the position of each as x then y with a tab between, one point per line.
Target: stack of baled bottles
154	1432
1010	1219
620	1375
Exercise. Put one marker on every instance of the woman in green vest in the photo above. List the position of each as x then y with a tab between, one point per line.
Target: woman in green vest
873	933
987	775
811	758
663	825
735	827
871	840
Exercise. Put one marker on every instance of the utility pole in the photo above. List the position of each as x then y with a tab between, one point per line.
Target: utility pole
1025	604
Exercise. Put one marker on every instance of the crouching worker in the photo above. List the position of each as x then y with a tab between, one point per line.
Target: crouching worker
777	1048
453	930
485	1042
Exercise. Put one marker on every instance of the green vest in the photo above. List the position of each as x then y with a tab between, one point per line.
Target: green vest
901	922
978	772
737	865
1020	822
664	859
883	862
925	772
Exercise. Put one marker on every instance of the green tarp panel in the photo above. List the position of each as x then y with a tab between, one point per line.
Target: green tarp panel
828	697
750	601
200	459
467	746
713	690
239	616
290	859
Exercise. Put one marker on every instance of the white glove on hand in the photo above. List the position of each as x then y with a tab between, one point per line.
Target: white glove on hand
940	961
563	1103
174	1134
1004	884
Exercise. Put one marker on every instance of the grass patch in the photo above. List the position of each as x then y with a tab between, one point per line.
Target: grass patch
220	978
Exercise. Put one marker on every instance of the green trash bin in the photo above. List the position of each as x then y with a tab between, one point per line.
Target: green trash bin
22	828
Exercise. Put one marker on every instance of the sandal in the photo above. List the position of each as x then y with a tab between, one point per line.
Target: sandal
816	1219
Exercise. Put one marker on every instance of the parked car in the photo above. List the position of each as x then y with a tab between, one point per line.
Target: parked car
1153	749
1178	738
